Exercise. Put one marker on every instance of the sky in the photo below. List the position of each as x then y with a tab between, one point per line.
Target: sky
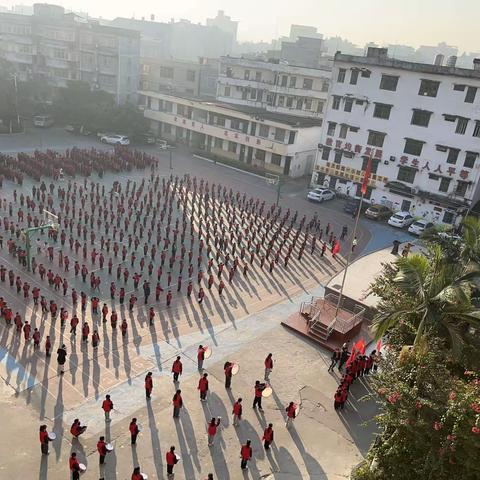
410	22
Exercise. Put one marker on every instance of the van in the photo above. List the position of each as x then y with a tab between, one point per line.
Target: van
43	121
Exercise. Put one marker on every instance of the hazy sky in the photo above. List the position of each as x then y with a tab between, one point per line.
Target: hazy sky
412	22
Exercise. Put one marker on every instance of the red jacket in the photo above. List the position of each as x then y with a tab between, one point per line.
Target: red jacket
268	434
177	401
148	383
203	384
133	428
102	447
212	429
171	458
107	405
73	462
177	366
237	408
269	363
44	437
246	452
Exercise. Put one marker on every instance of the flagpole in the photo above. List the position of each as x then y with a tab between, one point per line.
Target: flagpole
349	256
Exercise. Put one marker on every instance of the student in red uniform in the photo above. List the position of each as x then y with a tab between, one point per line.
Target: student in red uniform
200	356
95	339
203	387
177	369
212	430
245	454
133	431
137	474
44	439
26	331
259	387
74	465
107	406
77	429
237	412
268	436
227	368
171	461
124	327
268	367
36	338
148	385
102	449
85	332
177	403
291	413
48	346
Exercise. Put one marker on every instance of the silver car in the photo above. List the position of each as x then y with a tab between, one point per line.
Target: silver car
321	194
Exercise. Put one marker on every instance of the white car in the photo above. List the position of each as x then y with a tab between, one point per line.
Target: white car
418	227
401	219
320	195
115	139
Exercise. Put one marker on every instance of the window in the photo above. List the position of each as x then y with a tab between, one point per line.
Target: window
348	105
470	96
291	137
167	128
191	75
289	103
326	153
375	164
366	73
307	83
389	82
281	100
406	174
341	75
258	76
421	118
338	156
220	121
235	124
382	110
336	104
166	72
461	127
470	158
226	92
320	107
331	128
376	138
459	88
413	147
181	110
263	131
253	93
229	72
428	88
246	74
343	131
218	143
354	77
276	159
284	81
232	147
476	130
325	86
293	82
259	95
461	189
308	104
444	184
452	155
260	155
168	106
280	134
299	103
448	217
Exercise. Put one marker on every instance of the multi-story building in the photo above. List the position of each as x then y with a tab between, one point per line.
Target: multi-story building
226	24
61	47
192	78
273	142
274	86
420	123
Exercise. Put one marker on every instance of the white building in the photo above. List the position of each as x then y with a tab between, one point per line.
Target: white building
271	142
274	86
420	123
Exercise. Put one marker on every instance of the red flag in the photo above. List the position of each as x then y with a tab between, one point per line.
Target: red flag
379	345
360	346
351	358
336	248
366	177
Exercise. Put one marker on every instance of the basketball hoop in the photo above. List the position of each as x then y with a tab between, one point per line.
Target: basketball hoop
50	220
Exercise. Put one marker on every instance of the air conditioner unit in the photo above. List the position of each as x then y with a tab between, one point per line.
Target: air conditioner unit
386	162
392	158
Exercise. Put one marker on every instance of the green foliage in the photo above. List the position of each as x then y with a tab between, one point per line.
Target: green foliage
430	417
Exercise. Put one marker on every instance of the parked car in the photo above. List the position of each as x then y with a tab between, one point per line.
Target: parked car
43	121
80	129
320	194
163	145
401	219
419	226
115	139
378	212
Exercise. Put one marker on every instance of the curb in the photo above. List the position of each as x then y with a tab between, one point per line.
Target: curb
229	166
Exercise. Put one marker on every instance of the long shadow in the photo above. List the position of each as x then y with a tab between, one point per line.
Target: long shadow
110	466
58	419
43	470
157	452
190	436
186	452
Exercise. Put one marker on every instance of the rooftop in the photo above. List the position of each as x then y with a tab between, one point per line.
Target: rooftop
378	57
275	63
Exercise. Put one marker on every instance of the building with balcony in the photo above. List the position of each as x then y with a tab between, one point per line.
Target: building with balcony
197	79
272	142
420	124
274	86
61	46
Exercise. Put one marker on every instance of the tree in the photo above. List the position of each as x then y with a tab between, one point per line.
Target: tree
429	293
429	415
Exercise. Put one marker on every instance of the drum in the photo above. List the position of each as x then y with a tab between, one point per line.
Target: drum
267	391
139	427
144	476
52	436
109	447
208	353
82	467
235	368
297	410
178	457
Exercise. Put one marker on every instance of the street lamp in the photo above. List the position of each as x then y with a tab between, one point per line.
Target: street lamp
14	76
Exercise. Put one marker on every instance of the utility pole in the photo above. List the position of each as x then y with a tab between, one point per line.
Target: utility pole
170	153
14	75
279	186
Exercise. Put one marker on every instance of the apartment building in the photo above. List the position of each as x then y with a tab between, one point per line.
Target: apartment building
274	86
192	78
273	142
62	46
420	123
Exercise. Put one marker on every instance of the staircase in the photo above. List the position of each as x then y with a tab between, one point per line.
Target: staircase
318	331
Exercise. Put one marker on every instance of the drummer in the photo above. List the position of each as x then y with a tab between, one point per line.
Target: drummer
291	414
74	466
44	439
134	430
257	400
137	474
200	356
171	461
77	429
102	449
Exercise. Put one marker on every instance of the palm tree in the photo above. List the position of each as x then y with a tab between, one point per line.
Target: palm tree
435	295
